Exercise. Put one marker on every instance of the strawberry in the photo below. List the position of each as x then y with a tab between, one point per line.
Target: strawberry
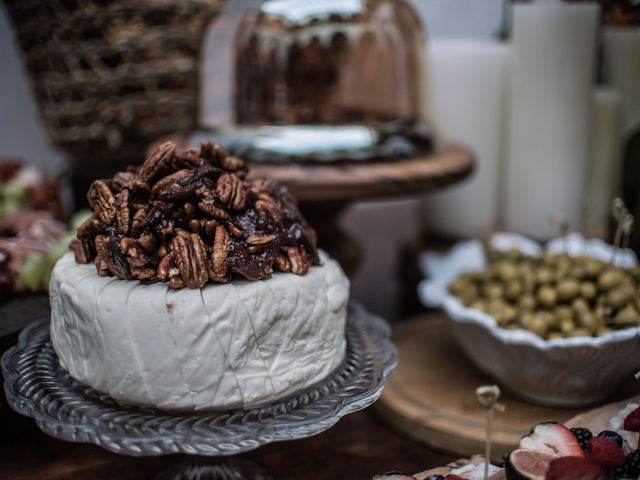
605	452
574	468
554	438
632	421
453	476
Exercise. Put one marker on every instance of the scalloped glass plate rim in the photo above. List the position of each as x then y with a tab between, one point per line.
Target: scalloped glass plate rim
368	339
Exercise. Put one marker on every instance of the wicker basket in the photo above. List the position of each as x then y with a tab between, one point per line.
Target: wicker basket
111	77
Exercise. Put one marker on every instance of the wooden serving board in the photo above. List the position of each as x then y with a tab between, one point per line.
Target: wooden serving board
430	396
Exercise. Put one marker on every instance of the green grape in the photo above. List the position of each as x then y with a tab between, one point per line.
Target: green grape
60	247
79	218
33	271
14	192
9	207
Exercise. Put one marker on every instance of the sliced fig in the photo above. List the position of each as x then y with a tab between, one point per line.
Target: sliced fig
528	464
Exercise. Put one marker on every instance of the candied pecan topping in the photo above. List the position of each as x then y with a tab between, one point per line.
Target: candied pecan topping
159	160
188	217
102	202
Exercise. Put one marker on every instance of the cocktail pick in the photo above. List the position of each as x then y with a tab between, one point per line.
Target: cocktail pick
561	222
619	212
627	228
487	396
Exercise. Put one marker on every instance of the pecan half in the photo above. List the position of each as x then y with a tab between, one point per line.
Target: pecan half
123	213
135	254
206	228
102	202
80	250
129	181
231	191
145	275
147	241
192	259
170	180
103	269
234	164
138	218
109	256
299	264
89	228
158	161
256	239
213	153
168	270
218	263
283	264
266	204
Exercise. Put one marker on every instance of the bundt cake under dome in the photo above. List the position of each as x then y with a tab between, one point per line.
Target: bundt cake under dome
321	80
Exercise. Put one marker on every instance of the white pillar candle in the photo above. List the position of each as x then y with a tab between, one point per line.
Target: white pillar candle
603	174
549	115
622	70
467	81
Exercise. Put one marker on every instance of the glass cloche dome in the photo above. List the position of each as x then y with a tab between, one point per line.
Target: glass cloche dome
315	80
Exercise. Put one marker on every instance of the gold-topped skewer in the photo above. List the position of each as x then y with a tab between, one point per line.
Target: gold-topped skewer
487	396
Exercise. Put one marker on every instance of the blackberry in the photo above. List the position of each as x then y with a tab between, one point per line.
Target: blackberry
617	472
583	435
632	464
611	436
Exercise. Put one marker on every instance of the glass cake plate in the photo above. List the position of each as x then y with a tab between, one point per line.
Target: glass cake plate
37	386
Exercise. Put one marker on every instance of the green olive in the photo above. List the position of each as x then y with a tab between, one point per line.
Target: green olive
563	311
627	316
592	267
493	290
589	321
568	289
567	326
527	302
563	266
547	296
514	254
588	290
577	271
609	279
469	294
544	276
580	305
619	297
603	331
539	326
603	311
554	335
479	305
458	285
513	290
507	271
580	332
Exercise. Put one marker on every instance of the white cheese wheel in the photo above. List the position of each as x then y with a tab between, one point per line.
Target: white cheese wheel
239	344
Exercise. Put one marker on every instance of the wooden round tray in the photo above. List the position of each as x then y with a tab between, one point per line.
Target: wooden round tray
430	397
343	182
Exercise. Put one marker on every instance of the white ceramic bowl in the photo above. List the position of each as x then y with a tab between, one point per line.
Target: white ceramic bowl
569	372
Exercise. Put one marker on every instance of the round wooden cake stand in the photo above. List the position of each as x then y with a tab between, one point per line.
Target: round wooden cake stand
430	397
325	190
